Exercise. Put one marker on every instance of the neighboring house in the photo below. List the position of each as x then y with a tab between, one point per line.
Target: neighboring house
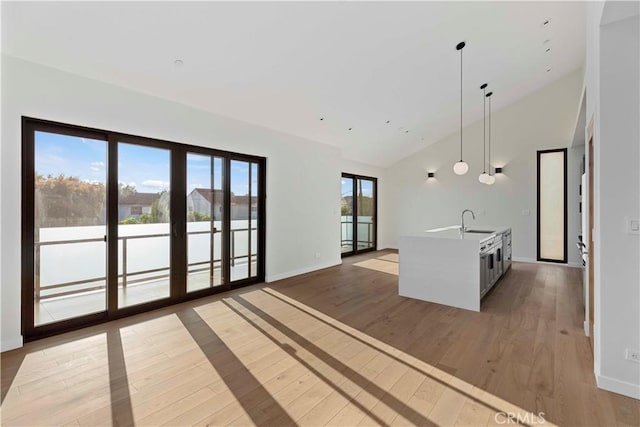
240	207
136	204
199	200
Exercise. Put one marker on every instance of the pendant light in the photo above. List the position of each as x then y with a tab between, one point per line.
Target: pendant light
484	176
461	167
491	179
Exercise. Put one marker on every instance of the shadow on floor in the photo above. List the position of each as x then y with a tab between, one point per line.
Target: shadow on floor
245	387
388	399
121	411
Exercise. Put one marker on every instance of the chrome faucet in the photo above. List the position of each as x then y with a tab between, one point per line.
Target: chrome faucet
463	228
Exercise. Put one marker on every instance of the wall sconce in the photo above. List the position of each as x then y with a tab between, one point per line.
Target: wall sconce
431	175
498	170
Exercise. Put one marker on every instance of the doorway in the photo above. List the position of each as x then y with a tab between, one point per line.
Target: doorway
115	224
358	212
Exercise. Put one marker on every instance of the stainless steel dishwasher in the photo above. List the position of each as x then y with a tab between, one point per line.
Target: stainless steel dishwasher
491	263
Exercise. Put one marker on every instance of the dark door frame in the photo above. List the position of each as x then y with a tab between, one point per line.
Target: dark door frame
565	207
178	260
354	216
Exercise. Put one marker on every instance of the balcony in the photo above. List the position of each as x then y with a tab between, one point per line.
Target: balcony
143	266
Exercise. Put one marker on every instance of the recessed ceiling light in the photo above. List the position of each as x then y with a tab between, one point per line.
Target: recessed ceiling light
178	62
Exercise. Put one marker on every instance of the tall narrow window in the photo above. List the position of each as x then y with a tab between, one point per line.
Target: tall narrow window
552	205
358	214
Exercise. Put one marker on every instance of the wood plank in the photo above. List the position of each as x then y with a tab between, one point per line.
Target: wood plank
334	347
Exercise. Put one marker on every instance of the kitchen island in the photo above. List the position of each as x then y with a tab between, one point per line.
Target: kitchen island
453	267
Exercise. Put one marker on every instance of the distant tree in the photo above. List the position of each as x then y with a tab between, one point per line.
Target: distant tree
146	218
160	210
125	190
198	216
130	220
365	205
68	201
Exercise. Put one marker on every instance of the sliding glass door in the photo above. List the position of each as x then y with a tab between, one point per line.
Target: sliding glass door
144	217
205	221
115	224
67	217
244	220
358	227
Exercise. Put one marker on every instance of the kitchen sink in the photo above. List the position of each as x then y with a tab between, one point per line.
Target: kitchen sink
479	231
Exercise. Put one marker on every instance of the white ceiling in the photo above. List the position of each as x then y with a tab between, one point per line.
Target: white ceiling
285	65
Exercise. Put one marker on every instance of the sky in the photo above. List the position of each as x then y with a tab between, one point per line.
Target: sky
146	168
347	187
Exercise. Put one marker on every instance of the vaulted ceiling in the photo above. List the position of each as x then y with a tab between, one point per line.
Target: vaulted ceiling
387	70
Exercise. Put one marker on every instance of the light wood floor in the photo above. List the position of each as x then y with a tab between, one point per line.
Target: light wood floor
335	347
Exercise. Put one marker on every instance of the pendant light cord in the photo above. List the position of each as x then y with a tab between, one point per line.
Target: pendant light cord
484	130
489	159
461	104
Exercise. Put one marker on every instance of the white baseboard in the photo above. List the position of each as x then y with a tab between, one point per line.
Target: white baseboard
586	328
10	344
286	275
534	261
617	386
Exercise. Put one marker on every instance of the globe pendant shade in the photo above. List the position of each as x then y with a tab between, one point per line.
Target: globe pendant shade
460	168
491	180
483	177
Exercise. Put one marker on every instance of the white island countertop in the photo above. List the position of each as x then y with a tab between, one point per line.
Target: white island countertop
453	232
443	265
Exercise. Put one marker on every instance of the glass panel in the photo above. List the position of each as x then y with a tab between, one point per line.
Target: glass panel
205	200
143	224
366	206
70	227
254	221
240	219
346	216
551	205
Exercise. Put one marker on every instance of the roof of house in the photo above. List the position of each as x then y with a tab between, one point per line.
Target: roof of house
144	199
243	200
219	194
207	193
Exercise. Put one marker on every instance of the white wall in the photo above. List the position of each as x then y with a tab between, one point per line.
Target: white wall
303	177
574	178
613	102
543	120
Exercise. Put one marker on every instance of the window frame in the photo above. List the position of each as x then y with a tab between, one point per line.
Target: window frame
564	259
354	206
178	267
